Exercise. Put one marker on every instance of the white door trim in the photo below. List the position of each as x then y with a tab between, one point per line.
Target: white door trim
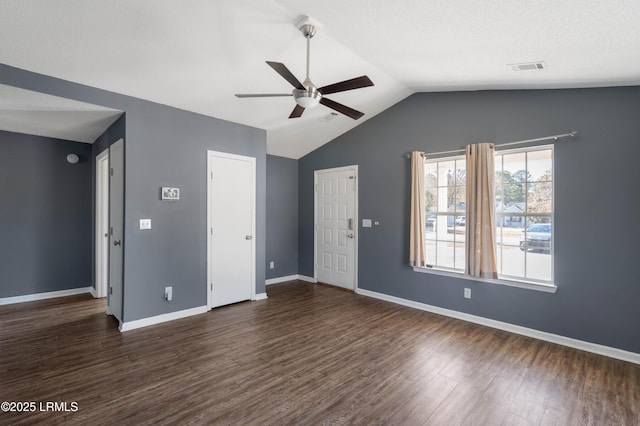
102	213
252	160
116	230
356	226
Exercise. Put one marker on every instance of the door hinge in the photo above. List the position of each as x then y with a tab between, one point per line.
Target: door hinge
110	290
211	229
111	171
111	230
211	175
352	177
211	286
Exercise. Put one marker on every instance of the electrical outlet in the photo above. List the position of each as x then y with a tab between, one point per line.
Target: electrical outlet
145	223
467	293
168	293
272	264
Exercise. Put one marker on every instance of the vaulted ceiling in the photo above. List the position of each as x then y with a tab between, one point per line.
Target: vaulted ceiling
197	54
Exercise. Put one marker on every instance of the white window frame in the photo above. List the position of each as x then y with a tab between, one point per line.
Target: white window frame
512	281
446	214
525	214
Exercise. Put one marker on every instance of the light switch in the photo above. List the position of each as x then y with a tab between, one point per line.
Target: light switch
145	223
366	223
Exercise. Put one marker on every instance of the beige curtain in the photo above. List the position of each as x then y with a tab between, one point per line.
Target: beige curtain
481	212
416	239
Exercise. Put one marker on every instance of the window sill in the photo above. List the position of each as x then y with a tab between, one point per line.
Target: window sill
529	285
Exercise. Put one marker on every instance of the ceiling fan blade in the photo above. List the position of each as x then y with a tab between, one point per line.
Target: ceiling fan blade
354	83
297	111
262	95
343	109
286	74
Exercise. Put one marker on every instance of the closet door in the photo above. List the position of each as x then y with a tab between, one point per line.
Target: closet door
231	207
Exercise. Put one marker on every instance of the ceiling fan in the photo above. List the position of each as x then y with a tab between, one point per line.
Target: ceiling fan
306	94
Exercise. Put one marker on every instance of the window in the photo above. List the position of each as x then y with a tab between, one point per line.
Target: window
524	213
445	193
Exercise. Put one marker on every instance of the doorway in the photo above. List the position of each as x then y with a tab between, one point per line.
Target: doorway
231	218
336	226
102	224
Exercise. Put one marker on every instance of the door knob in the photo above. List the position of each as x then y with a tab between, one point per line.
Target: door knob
248	237
116	243
349	235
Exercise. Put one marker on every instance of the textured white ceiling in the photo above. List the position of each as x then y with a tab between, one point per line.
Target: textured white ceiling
196	54
33	113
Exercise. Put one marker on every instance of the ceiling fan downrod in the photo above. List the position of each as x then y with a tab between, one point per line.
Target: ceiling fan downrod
310	96
308	31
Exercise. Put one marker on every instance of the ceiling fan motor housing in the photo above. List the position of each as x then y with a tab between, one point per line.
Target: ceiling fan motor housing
309	96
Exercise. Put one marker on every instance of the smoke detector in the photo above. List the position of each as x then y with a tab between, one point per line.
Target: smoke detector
528	66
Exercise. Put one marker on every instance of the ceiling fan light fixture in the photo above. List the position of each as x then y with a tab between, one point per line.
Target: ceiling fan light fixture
307	98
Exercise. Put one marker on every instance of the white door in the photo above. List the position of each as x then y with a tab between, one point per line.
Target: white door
231	221
102	223
336	226
116	219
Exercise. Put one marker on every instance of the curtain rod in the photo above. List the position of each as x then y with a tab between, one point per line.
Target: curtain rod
571	134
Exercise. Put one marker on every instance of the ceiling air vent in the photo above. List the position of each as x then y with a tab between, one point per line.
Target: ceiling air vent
329	117
528	66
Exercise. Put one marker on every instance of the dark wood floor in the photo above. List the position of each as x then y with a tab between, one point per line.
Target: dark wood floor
308	355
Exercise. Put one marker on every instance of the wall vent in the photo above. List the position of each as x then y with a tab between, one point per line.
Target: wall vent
528	66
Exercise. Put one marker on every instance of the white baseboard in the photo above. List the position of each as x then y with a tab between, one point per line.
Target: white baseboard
93	292
144	322
536	334
281	279
42	296
260	296
289	278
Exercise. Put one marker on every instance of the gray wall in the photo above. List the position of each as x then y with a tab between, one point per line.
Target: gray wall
165	146
45	215
597	200
116	131
282	216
